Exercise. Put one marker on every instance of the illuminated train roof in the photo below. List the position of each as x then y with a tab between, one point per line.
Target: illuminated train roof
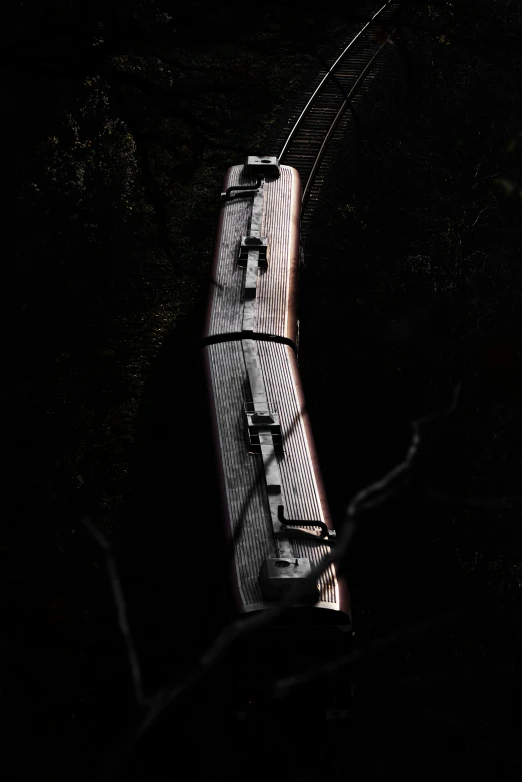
269	473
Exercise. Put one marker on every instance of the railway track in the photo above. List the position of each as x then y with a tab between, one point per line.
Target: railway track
323	115
273	502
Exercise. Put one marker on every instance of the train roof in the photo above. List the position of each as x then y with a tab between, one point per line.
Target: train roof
272	492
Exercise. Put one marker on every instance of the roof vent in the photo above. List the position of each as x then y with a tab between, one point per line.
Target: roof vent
267	166
263	428
253	243
279	574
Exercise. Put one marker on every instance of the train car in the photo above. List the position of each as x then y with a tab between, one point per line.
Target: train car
272	496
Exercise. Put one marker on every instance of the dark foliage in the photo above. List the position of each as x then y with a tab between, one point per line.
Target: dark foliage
421	238
120	120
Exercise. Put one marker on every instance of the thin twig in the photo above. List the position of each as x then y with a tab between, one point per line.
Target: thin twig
367	498
282	686
477	217
470	500
370	497
121	610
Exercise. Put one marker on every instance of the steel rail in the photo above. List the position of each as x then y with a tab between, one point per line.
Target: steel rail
308	186
326	77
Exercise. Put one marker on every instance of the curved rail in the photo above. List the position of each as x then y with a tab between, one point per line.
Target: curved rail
306	142
327	76
308	185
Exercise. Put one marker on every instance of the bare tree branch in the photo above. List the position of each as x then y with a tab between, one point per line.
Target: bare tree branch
121	610
470	500
369	497
282	687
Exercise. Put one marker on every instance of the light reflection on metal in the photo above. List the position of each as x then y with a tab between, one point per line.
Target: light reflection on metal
325	78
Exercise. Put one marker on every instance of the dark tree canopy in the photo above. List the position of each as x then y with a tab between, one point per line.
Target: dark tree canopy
119	122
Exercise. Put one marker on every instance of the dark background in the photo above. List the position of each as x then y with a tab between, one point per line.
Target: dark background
120	122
